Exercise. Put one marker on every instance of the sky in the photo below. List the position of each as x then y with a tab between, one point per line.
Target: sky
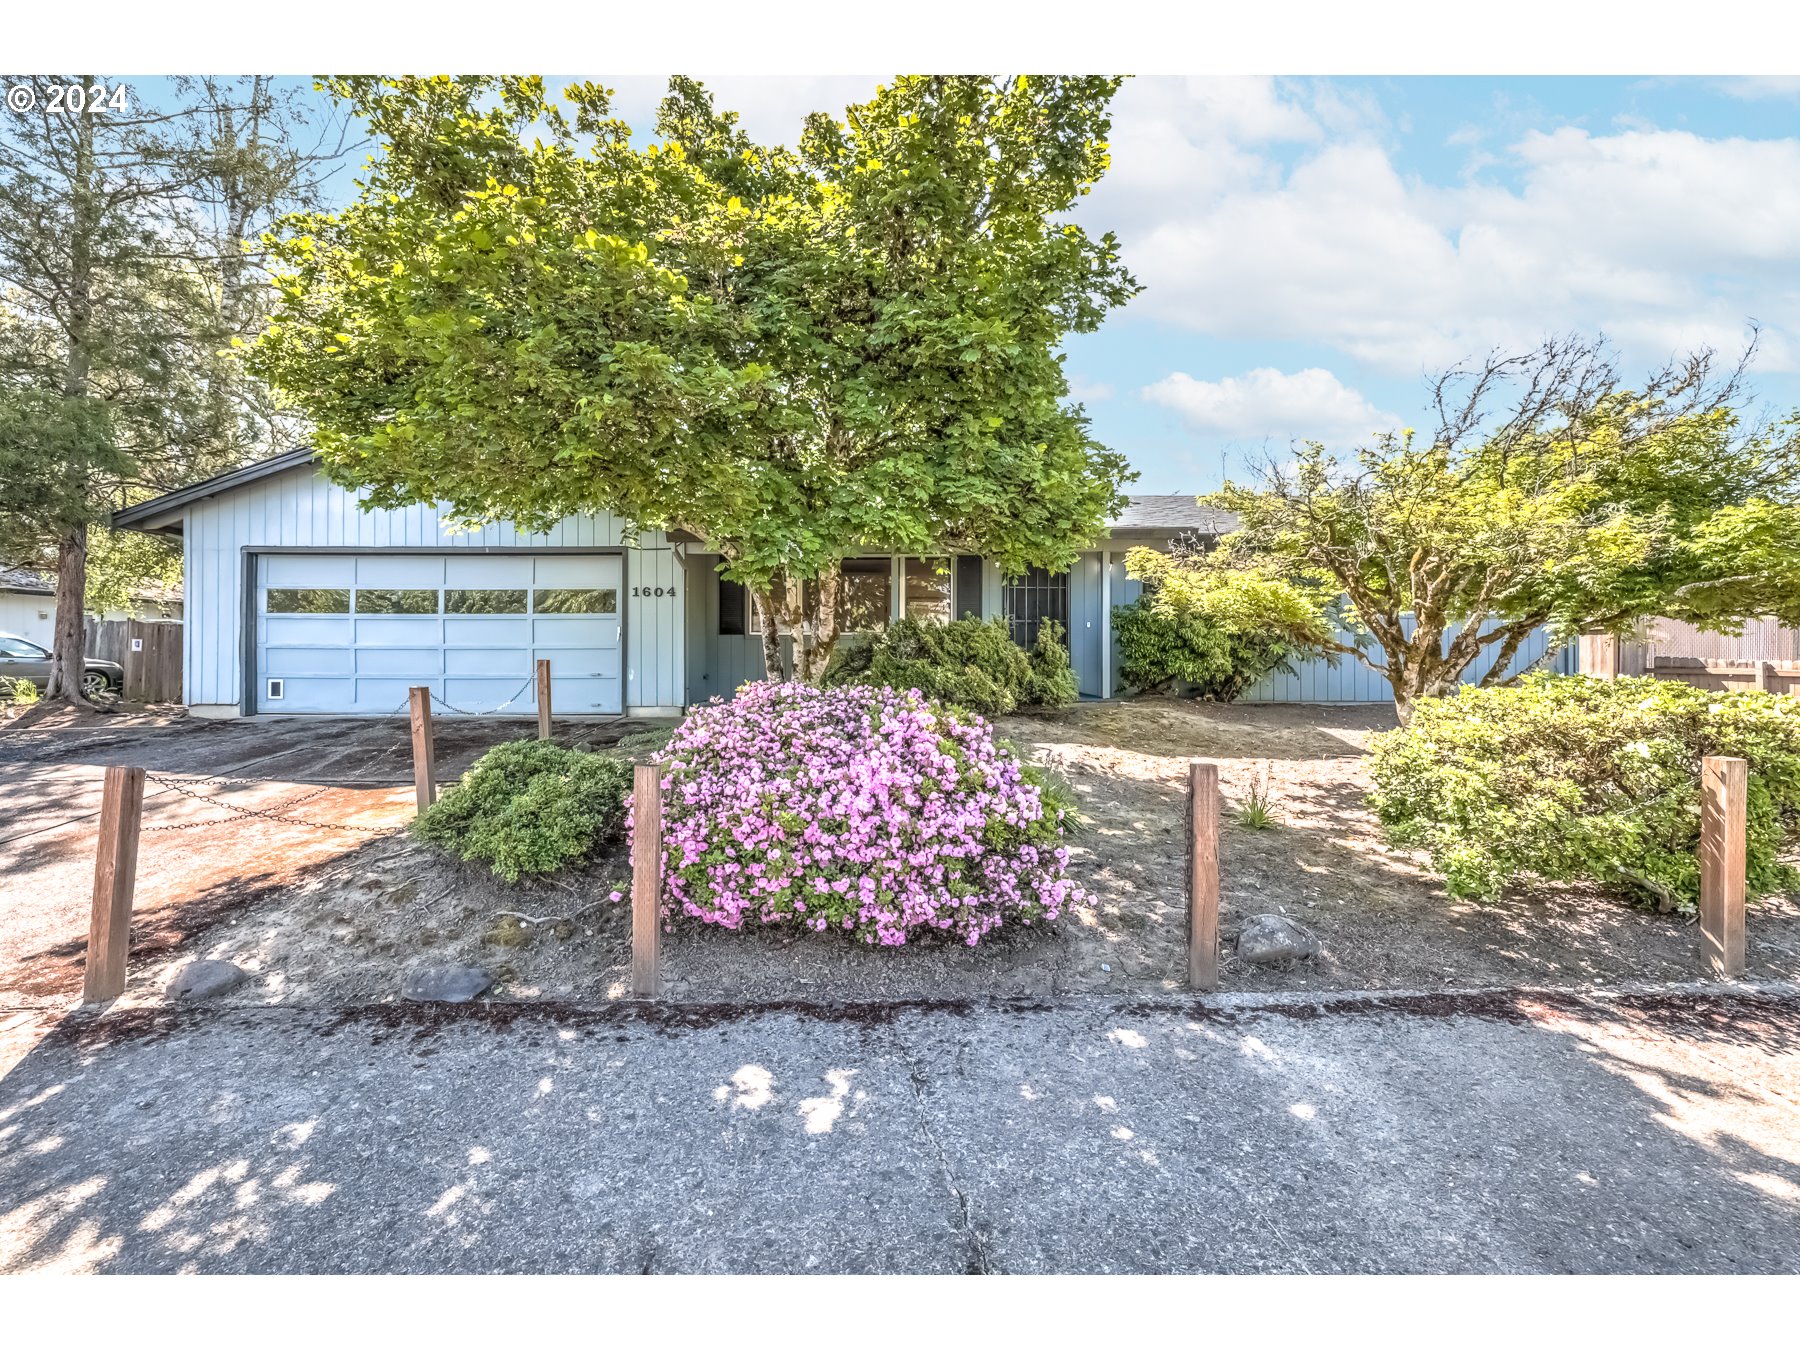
1312	250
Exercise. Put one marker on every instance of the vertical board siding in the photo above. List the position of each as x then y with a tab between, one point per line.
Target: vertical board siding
303	509
1350	681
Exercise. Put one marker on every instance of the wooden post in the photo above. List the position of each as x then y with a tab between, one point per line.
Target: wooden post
646	882
1203	875
424	752
543	699
115	879
1724	789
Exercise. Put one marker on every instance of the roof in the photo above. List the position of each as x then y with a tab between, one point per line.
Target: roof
1167	513
162	514
25	581
1152	516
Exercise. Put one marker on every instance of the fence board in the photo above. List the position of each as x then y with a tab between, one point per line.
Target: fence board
152	668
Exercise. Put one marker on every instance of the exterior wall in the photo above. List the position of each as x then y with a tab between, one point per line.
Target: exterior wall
1351	681
19	615
301	509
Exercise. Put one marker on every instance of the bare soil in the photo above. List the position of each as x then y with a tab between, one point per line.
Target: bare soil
334	918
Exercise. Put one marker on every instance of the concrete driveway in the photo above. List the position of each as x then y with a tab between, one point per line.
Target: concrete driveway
1486	1132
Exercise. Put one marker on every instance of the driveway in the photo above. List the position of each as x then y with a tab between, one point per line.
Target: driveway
201	858
1484	1132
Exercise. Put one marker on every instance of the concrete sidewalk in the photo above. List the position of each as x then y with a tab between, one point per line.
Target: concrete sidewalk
1481	1132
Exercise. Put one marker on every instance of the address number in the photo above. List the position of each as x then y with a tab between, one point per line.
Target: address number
657	592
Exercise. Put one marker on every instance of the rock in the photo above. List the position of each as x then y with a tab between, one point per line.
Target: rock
203	979
1267	938
445	984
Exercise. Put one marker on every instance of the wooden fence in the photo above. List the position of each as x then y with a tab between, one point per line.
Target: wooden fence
1609	658
150	653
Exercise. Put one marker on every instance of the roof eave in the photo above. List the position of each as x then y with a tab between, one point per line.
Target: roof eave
165	514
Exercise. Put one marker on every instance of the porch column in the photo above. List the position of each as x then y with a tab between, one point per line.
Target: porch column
1106	654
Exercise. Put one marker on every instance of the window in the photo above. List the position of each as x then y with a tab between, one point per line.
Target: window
307	600
396	602
1030	599
928	589
865	597
484	602
865	600
17	649
568	600
734	601
968	587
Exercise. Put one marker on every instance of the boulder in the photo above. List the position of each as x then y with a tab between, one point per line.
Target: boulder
445	984
1268	938
203	979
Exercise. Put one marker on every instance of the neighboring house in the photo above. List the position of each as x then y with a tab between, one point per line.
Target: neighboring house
299	601
28	605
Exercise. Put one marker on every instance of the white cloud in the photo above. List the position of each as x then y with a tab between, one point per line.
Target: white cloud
772	108
1266	404
1089	391
1761	86
1660	238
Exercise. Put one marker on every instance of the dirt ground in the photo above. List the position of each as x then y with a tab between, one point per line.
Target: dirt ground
333	917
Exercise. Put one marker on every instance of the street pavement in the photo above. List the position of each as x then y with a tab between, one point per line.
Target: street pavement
1650	1131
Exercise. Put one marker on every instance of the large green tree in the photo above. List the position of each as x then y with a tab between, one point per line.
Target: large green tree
1553	494
123	277
792	354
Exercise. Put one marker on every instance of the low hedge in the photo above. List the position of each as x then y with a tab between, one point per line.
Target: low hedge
1571	779
971	663
530	807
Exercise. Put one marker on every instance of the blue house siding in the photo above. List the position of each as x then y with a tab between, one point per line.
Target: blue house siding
1350	681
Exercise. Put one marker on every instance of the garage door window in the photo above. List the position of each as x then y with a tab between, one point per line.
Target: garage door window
566	600
484	602
396	602
308	600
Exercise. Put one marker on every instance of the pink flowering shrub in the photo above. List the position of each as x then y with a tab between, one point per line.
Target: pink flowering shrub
870	811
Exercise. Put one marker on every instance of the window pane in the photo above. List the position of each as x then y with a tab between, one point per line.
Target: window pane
928	590
968	587
570	600
307	600
484	602
866	595
396	602
734	600
21	649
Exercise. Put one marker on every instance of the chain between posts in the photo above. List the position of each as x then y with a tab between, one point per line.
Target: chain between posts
271	813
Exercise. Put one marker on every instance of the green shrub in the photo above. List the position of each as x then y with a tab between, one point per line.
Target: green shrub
971	663
530	807
1158	649
1219	630
1568	778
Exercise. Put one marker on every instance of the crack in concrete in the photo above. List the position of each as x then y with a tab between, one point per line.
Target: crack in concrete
979	1262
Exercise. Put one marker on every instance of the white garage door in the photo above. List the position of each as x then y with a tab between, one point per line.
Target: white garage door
341	633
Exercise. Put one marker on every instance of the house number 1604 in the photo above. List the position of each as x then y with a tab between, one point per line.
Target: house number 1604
657	591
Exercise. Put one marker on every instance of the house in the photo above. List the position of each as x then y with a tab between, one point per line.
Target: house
28	605
300	601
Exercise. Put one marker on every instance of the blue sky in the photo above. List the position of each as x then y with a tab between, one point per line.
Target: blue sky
1312	248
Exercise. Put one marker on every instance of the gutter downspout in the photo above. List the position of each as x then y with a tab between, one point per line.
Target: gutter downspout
1106	651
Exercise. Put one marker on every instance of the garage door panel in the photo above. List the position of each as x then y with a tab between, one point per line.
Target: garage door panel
576	570
309	569
400	571
417	661
560	631
483	695
581	693
393	630
488	569
598	662
288	661
306	631
487	661
480	631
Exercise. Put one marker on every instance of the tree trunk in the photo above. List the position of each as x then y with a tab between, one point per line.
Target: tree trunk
68	648
815	655
769	613
810	623
68	645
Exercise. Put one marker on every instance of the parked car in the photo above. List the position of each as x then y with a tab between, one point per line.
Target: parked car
23	660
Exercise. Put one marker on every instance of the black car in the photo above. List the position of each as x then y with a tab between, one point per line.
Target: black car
22	660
